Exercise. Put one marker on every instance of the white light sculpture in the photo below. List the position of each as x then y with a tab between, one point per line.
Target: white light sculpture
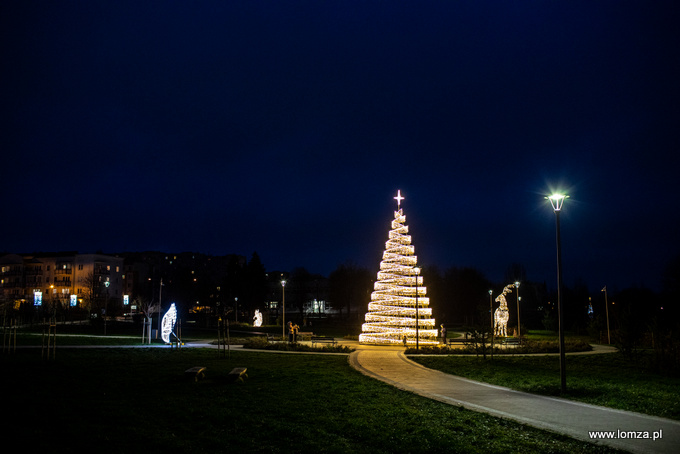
391	316
257	318
501	315
168	324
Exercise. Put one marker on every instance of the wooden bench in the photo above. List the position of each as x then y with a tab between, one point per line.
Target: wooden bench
196	373
323	340
510	341
237	374
457	340
304	335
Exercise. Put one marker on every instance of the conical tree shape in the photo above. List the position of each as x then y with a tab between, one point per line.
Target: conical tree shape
399	290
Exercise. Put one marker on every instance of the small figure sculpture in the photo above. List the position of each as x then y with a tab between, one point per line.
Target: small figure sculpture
501	315
257	318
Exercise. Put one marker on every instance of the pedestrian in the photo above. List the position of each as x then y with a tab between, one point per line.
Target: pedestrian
296	328
290	331
443	330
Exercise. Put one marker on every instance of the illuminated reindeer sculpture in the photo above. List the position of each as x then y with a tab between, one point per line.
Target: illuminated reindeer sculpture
501	314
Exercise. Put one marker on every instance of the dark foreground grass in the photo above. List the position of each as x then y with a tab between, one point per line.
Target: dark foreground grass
602	379
137	400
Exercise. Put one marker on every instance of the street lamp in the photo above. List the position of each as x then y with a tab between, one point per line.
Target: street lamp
606	308
417	271
491	308
556	200
493	334
519	330
283	327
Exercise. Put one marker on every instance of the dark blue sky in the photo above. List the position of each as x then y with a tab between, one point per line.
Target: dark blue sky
287	128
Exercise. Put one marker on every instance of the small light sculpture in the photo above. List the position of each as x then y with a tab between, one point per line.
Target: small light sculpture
257	318
399	296
168	324
501	315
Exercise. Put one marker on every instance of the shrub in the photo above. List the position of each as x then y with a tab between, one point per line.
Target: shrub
261	343
529	346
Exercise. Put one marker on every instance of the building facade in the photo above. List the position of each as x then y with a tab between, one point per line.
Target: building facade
64	279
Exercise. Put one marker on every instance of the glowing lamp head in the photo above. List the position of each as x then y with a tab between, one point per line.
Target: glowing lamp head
557	200
283	283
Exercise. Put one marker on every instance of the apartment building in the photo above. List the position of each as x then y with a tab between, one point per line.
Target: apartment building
63	278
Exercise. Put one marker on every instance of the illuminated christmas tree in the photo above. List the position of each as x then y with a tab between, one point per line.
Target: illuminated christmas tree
398	300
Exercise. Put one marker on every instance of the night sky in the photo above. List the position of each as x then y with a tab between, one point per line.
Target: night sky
287	128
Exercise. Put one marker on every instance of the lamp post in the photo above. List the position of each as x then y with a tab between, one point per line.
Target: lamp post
491	317
417	271
519	330
606	309
283	327
160	292
491	308
556	200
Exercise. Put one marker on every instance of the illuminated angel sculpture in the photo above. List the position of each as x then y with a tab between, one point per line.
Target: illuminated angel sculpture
257	318
399	296
501	314
168	323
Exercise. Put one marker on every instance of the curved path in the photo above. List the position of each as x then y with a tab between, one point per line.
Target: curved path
575	419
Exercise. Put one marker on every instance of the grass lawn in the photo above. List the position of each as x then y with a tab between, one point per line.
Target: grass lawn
138	400
601	379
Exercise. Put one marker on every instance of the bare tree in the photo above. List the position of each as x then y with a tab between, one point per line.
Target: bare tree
89	292
148	308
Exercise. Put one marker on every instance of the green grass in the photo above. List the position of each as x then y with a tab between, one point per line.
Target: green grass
601	379
138	400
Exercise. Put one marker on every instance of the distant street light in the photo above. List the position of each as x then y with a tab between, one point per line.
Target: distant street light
493	334
519	330
556	200
417	271
283	328
160	292
606	308
491	308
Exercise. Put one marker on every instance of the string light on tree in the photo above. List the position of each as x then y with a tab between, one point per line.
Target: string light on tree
399	294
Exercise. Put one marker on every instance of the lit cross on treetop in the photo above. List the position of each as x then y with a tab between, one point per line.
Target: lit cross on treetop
398	198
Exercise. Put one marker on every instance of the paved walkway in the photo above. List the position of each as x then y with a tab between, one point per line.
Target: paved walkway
575	419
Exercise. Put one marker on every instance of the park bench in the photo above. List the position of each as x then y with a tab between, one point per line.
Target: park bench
304	335
457	340
237	373
196	373
510	341
323	340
